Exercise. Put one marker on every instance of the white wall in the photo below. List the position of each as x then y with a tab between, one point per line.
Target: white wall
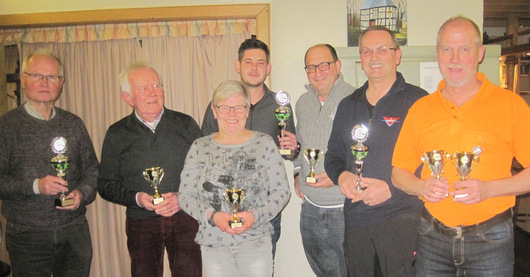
295	26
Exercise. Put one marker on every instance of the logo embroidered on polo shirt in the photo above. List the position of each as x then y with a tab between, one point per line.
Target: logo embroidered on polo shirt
390	120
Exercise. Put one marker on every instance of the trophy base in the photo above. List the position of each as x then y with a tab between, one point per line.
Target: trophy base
310	180
235	224
64	202
158	200
285	152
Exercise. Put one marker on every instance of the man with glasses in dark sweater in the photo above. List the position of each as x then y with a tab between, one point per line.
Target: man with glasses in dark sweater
42	237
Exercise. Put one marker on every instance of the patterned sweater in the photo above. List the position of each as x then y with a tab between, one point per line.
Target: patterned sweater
255	166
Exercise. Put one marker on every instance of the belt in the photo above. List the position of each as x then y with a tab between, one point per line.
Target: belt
460	231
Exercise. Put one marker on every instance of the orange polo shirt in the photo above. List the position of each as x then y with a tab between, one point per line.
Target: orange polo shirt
495	119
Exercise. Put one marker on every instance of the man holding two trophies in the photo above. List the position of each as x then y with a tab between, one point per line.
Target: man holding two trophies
45	152
466	226
381	221
143	154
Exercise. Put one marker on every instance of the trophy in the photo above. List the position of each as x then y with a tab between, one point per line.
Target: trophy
282	114
154	176
435	160
60	164
359	150
465	162
312	156
234	197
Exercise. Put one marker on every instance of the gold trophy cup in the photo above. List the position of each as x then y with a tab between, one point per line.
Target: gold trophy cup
435	160
359	150
312	156
60	164
234	197
154	176
464	162
282	114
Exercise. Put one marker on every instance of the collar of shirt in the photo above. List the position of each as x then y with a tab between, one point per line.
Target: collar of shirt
150	125
34	113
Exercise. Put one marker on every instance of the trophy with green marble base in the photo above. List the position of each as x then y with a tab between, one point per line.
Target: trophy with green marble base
282	114
359	133
60	164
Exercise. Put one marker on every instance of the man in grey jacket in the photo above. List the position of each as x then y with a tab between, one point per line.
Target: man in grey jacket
321	218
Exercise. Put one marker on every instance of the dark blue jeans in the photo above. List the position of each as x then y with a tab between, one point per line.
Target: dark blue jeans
66	252
323	235
147	238
485	253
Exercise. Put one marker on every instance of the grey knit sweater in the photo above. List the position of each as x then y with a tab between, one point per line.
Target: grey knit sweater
25	155
313	128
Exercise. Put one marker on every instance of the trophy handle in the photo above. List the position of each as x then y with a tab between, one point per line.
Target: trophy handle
161	175
474	163
306	156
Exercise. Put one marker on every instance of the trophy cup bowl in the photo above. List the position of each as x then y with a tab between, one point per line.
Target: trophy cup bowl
312	156
234	198
435	160
464	162
154	176
282	114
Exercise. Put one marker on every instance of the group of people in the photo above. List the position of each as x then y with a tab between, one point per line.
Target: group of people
402	221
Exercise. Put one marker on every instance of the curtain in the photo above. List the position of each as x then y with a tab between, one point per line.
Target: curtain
190	67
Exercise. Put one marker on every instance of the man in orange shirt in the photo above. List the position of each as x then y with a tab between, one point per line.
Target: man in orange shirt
466	227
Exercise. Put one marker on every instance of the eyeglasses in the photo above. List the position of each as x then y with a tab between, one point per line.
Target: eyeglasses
383	50
224	109
156	86
324	66
38	77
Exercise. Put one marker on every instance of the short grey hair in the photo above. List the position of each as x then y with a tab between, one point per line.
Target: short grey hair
43	52
124	74
228	88
460	20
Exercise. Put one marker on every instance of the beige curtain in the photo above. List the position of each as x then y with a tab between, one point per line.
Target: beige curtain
193	58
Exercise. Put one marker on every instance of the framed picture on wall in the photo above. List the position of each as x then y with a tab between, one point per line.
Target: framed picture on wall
364	13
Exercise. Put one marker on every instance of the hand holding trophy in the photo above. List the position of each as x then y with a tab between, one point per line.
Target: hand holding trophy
154	176
60	164
282	114
465	162
312	156
234	197
359	150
